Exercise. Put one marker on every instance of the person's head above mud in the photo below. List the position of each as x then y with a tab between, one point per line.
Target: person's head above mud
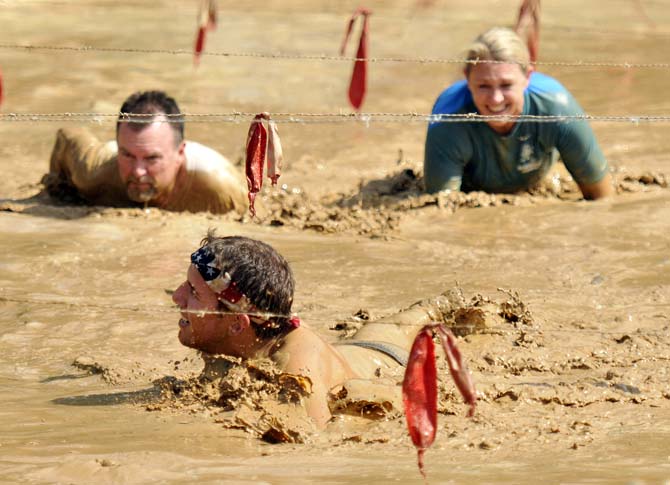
150	163
506	155
151	147
237	301
498	87
156	105
247	286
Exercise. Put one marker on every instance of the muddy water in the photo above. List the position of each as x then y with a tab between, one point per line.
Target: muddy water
587	385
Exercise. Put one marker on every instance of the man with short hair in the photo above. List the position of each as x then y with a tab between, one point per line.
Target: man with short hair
150	163
236	300
503	155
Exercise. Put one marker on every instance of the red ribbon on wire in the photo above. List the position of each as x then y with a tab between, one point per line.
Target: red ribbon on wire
207	20
419	387
419	394
262	143
358	77
528	26
256	146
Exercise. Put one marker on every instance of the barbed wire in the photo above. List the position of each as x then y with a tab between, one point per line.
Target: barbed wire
326	118
138	309
326	57
151	309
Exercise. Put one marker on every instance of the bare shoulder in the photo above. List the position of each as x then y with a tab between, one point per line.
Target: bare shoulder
200	157
305	353
212	173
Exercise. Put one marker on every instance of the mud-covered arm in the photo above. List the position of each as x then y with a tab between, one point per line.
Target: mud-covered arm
583	157
81	162
307	364
305	353
598	190
446	154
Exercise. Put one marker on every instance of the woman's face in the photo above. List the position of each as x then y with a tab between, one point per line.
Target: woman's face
199	329
498	90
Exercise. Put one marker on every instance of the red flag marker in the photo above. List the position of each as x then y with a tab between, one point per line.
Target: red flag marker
419	387
419	394
256	145
207	20
358	77
528	26
275	153
262	144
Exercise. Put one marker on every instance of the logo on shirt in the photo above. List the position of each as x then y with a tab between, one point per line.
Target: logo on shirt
526	162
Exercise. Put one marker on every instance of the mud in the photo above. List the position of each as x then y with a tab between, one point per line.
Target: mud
374	210
523	375
570	358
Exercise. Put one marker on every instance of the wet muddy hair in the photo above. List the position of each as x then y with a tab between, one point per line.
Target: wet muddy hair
151	103
499	44
262	274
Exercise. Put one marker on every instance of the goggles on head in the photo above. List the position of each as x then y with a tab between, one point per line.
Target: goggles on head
225	289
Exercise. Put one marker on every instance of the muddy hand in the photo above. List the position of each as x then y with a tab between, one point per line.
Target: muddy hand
419	387
358	78
458	369
256	146
528	26
212	16
419	393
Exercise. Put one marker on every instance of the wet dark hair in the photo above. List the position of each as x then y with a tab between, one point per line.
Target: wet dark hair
262	274
151	103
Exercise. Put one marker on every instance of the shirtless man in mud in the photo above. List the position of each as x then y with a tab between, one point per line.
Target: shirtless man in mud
237	299
503	156
150	163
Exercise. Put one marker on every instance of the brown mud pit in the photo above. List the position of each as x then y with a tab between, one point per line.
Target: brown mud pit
254	396
358	233
514	371
376	209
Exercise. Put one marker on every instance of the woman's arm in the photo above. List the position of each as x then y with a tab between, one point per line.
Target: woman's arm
598	190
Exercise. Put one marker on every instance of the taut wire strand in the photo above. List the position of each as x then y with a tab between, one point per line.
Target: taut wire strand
324	57
150	309
322	118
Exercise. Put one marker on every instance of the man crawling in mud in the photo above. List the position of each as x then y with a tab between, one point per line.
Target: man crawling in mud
504	155
149	163
237	299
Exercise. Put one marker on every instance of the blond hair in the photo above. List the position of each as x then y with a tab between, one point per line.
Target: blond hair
498	44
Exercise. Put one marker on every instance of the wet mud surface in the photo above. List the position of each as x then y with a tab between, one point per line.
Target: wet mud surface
561	307
376	209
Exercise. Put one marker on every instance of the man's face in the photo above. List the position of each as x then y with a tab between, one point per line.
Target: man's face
148	160
497	89
198	328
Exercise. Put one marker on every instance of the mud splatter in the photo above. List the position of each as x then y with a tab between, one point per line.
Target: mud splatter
256	397
375	209
250	395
